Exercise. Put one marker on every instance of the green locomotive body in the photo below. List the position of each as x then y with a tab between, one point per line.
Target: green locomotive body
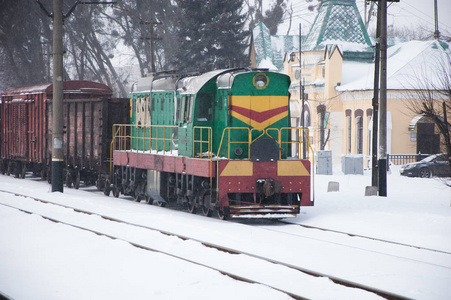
221	141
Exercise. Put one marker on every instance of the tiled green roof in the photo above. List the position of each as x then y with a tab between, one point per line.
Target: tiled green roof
273	47
338	22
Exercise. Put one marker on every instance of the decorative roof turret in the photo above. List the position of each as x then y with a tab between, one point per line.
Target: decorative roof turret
272	48
339	22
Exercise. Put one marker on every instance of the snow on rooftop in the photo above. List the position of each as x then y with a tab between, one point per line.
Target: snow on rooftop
267	64
346	46
410	65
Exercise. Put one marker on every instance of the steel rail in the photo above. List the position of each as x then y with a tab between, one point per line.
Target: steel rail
361	236
335	279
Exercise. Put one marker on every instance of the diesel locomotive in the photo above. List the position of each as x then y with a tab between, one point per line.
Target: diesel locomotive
220	141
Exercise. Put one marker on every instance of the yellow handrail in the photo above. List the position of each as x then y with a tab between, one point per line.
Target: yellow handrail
129	137
201	142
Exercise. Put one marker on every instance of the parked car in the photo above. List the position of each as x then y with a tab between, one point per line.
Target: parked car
433	165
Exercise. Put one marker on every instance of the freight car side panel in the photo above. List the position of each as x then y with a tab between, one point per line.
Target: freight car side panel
84	131
16	140
18	134
24	127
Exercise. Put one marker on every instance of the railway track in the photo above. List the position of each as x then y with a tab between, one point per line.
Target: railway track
354	235
112	227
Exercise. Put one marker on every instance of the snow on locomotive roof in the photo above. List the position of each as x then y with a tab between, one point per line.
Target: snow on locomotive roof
191	85
147	84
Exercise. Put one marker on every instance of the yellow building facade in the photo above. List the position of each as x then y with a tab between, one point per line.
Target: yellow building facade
338	97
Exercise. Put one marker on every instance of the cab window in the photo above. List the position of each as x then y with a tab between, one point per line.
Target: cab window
204	107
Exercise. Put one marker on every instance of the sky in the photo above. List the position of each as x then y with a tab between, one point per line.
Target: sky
408	13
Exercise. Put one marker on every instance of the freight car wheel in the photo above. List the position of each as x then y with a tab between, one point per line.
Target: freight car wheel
107	190
77	181
68	180
24	171
115	191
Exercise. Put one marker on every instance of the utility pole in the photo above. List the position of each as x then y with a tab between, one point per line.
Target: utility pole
374	148
152	42
57	101
383	103
379	167
301	94
152	37
436	32
57	164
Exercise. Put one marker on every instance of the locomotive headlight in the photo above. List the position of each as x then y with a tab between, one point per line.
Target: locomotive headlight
260	81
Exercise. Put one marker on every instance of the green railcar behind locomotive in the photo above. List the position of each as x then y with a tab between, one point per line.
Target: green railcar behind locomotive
219	141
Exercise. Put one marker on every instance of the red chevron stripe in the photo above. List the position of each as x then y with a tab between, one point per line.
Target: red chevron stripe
259	116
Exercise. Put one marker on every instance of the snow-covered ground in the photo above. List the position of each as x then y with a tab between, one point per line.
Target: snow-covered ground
40	259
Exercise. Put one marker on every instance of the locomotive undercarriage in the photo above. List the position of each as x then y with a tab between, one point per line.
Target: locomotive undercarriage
162	188
195	193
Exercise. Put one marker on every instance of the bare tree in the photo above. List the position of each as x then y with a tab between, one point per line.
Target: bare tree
23	44
148	28
431	98
369	12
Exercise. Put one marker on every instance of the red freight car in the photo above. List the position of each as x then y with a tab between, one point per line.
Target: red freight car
89	113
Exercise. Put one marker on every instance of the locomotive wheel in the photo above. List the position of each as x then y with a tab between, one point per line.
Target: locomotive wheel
148	199
221	214
161	203
136	197
191	208
206	211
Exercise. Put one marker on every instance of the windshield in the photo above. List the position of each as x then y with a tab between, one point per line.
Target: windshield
431	158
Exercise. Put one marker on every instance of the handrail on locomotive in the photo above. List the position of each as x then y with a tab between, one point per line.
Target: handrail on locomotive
125	134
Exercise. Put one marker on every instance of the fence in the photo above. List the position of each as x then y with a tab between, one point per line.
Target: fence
402	159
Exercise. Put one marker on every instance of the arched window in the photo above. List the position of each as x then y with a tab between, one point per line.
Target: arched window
348	131
359	131
321	109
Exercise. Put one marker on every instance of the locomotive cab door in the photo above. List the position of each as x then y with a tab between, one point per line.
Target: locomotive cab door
185	124
222	116
204	120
